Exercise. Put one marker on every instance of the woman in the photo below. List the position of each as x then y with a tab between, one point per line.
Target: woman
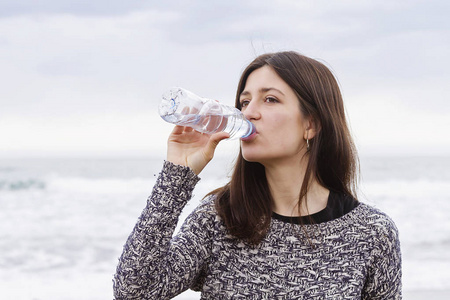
287	225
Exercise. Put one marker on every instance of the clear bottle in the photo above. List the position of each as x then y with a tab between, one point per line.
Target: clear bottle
181	107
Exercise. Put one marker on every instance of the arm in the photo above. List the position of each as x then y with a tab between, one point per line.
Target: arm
385	272
152	266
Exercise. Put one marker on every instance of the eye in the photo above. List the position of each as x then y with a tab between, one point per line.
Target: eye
244	103
271	100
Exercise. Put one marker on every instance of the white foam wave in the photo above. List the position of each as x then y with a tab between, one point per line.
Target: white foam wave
411	188
99	185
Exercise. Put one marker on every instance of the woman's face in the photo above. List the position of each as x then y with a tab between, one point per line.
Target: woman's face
272	106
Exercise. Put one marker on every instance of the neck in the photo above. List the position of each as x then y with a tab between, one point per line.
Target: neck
285	182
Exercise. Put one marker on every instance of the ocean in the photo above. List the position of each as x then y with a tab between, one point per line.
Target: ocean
63	221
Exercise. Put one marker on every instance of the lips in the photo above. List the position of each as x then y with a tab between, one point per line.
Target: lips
250	137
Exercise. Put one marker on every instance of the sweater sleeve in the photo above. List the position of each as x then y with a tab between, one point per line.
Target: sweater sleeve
154	265
385	271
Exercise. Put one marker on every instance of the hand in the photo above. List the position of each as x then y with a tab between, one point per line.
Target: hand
193	149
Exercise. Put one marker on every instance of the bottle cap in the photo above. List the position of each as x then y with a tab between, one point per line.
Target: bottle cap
170	101
251	131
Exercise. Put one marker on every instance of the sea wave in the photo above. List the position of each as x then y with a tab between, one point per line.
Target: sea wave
377	188
22	184
100	185
96	185
400	187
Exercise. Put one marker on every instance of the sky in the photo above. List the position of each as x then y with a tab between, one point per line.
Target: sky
84	78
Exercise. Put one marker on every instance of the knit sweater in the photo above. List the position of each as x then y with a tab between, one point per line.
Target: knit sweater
356	256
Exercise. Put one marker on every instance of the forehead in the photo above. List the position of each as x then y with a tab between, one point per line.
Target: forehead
265	77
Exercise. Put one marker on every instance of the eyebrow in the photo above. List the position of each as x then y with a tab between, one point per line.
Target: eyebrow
262	90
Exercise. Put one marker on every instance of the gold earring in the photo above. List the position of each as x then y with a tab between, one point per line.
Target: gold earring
307	145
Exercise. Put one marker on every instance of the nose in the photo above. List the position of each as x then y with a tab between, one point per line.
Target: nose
251	111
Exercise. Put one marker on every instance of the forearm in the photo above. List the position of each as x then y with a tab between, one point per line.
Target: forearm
139	271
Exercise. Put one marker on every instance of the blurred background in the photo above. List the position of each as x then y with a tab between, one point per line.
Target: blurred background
81	140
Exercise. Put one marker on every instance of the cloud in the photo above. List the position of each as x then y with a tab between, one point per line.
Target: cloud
78	63
10	8
69	59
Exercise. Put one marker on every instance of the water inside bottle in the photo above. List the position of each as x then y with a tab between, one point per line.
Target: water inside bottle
211	123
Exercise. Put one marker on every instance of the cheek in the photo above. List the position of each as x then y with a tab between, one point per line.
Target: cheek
288	141
287	131
286	125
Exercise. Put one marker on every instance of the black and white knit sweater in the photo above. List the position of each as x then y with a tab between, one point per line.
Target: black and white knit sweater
356	256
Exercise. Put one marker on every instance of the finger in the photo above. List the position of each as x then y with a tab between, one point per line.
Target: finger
185	110
214	140
178	129
219	136
188	129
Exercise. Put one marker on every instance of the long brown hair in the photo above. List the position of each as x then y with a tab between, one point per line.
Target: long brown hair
245	203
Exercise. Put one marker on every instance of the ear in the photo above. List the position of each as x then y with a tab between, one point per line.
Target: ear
311	128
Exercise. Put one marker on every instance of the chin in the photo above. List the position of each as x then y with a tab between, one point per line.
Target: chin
252	156
256	153
251	160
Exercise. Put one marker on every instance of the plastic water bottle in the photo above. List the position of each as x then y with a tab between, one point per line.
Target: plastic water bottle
181	107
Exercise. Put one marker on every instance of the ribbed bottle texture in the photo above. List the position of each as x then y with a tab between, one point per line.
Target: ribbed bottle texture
181	107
